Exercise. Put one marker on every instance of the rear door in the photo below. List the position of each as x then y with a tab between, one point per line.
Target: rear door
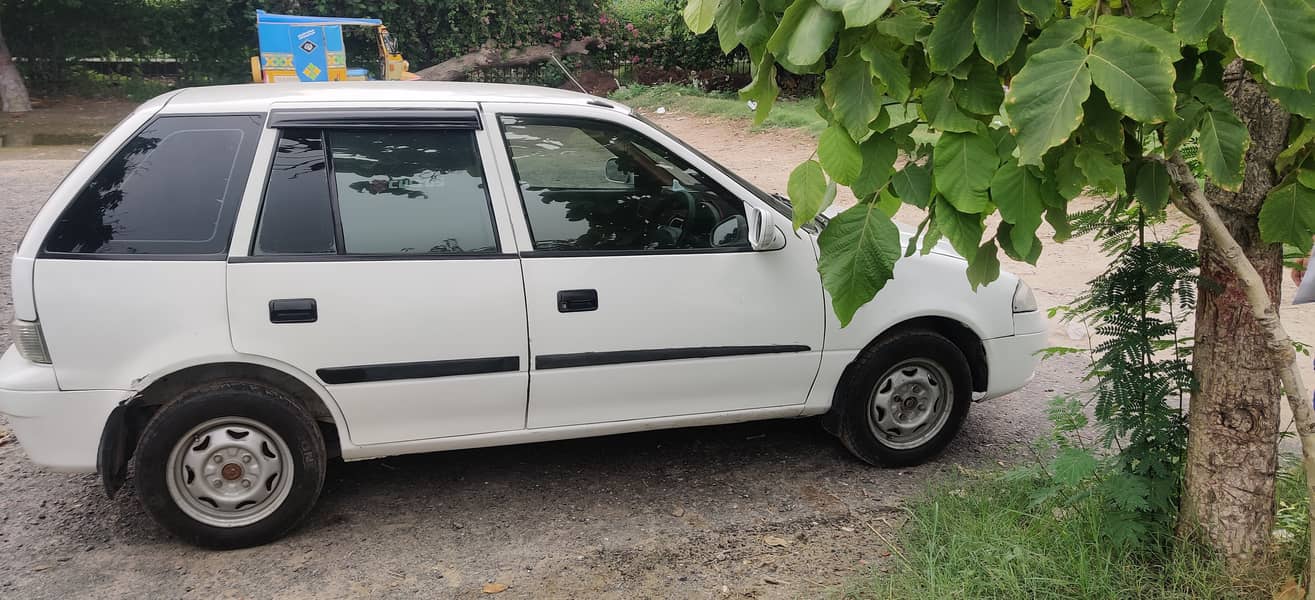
380	265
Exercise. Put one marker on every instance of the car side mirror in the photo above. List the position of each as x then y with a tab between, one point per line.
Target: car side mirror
613	172
763	232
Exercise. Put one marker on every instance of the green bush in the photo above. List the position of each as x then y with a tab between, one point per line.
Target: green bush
653	33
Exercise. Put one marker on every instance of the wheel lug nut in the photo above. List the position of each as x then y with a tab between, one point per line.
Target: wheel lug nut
246	458
219	483
246	483
219	459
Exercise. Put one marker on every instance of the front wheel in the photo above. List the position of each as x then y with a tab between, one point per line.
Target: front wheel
230	465
905	399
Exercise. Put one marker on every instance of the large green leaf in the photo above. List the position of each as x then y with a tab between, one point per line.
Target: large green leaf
983	266
1059	34
1296	147
1301	102
727	22
913	185
1017	192
1045	101
1100	171
904	25
859	249
858	13
851	95
1109	26
1180	128
1136	78
1041	9
879	154
699	14
981	93
997	27
807	188
941	110
839	155
963	166
1288	216
763	89
754	27
951	39
1195	19
1152	189
888	67
963	230
1278	35
1224	142
804	35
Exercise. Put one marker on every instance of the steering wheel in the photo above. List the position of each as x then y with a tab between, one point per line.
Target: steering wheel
691	207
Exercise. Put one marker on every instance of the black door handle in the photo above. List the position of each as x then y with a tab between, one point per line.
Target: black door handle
577	300
293	310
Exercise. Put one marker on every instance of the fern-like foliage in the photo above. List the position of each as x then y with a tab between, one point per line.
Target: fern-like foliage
1140	372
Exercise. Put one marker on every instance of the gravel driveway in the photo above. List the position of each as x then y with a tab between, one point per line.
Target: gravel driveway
769	509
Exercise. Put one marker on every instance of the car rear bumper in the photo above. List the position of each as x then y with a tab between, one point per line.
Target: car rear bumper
59	430
1012	360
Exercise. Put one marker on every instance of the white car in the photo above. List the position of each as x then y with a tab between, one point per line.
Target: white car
239	283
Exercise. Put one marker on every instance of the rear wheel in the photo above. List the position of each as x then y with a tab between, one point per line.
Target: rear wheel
230	464
905	399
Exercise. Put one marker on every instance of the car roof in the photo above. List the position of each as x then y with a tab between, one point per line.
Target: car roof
259	97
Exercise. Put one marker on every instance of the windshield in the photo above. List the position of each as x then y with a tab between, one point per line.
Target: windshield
779	203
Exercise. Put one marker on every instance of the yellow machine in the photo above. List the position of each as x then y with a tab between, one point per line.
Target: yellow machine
299	48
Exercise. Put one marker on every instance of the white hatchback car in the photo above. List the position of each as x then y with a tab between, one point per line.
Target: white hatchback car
239	283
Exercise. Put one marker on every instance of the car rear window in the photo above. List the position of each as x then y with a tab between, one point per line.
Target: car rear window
173	189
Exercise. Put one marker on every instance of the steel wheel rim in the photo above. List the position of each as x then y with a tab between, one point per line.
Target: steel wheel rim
230	472
910	404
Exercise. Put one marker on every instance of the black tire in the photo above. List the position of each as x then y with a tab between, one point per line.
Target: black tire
856	397
262	404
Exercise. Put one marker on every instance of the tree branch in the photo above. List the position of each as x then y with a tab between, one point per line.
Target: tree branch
490	55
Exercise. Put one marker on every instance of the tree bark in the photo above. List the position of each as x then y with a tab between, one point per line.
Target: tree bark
488	55
13	93
1233	421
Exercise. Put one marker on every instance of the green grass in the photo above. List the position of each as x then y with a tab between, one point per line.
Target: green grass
981	537
786	113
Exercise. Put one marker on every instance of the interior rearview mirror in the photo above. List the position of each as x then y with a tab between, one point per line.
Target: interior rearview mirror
613	172
763	233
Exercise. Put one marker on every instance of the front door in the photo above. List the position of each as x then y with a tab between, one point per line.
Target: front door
379	266
644	297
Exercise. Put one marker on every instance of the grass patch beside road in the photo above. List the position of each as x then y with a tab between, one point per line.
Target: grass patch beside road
986	536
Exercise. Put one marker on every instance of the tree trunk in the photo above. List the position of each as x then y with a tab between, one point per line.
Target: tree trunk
489	55
13	94
1233	422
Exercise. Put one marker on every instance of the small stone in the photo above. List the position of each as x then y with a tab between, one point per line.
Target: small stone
677	512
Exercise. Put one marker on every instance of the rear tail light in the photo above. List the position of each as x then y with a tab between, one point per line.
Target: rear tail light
30	342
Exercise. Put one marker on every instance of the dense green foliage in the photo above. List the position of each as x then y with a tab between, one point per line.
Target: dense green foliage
1088	83
652	33
215	39
1007	535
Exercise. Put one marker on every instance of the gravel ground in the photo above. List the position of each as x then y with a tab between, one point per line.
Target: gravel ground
768	509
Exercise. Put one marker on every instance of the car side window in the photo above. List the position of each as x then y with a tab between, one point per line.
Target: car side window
376	192
173	189
590	185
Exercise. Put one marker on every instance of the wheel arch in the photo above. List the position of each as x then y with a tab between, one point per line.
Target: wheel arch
963	337
126	423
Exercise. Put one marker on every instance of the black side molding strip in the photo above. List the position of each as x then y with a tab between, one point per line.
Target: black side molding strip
419	370
593	359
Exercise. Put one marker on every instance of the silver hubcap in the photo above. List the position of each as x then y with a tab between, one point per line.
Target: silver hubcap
230	472
910	404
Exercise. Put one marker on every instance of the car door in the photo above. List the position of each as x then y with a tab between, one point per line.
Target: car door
644	297
379	264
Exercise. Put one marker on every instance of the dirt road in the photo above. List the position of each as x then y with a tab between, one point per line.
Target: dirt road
764	510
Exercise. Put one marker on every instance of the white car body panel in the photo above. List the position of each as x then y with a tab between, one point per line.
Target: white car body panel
114	327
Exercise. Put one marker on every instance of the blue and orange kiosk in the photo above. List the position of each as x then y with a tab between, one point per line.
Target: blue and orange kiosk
307	48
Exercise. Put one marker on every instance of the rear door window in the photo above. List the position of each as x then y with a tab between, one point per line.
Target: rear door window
376	192
173	189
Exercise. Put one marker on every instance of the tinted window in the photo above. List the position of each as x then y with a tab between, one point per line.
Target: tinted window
297	214
590	185
411	192
173	189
